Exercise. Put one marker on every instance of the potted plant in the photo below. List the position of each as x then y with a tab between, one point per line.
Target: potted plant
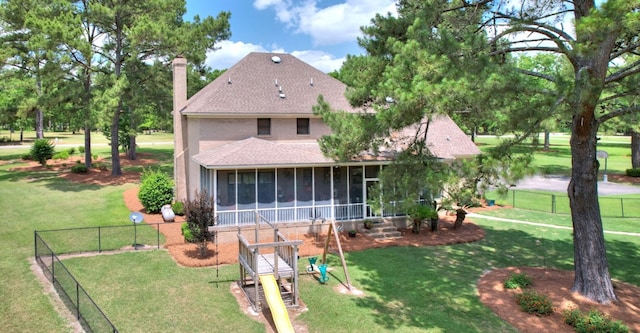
368	224
352	233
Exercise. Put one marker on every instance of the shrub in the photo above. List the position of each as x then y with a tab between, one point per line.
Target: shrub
593	321
71	150
518	280
42	150
79	168
178	208
26	157
633	172
534	303
200	214
81	149
61	155
156	190
186	232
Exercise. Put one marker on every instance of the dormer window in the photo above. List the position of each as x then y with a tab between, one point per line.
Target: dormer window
264	126
303	126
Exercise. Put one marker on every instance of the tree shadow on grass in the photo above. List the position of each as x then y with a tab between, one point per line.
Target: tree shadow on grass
435	287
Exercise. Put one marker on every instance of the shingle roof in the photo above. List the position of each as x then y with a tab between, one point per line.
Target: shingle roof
254	152
444	138
252	86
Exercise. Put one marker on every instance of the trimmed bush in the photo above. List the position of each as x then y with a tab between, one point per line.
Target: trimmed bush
79	168
534	303
156	190
593	321
71	150
178	208
42	150
61	155
633	172
186	232
81	149
518	280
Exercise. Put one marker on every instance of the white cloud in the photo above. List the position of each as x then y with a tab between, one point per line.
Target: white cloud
230	53
320	60
330	25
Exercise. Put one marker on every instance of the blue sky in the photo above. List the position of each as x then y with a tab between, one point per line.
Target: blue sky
319	32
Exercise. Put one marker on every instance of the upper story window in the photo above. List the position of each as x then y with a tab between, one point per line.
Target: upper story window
264	126
303	126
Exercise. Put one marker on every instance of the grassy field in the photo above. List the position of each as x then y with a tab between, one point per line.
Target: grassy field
68	138
557	161
407	289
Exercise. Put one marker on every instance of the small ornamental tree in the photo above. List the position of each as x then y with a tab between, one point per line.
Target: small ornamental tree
156	190
200	215
42	150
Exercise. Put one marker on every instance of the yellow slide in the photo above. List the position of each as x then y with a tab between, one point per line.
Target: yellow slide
278	310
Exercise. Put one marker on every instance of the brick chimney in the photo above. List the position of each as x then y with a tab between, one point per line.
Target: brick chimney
180	140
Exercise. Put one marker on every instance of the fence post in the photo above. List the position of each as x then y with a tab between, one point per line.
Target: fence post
553	203
622	206
513	200
78	300
99	241
53	268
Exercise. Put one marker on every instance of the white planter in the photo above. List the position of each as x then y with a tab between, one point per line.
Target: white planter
167	213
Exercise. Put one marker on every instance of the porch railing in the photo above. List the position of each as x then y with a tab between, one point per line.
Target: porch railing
340	212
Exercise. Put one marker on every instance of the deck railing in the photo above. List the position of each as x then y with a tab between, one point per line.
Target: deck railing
340	212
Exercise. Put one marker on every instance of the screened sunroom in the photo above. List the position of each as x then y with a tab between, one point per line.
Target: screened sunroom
292	194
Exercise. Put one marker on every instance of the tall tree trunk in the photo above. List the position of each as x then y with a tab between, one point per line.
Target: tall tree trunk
116	170
131	153
635	149
39	124
547	139
592	278
86	108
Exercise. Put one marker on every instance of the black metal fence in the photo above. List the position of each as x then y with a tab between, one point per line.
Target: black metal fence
559	204
96	239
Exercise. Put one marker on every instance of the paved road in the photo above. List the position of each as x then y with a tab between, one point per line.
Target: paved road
560	183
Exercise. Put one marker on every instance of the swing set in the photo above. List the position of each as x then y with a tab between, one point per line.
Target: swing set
322	268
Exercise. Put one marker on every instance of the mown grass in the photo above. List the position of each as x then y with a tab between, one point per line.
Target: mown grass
69	138
557	160
36	201
627	205
406	289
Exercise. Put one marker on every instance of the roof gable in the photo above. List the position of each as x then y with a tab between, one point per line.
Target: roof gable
258	85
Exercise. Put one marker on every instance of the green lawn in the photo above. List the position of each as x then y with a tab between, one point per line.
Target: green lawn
406	289
68	138
557	161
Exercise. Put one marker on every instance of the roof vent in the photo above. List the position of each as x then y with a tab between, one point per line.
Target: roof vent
282	95
276	59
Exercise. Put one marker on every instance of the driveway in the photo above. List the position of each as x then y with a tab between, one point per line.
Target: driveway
560	183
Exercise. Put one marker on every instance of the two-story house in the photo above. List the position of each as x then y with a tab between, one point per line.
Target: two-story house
249	138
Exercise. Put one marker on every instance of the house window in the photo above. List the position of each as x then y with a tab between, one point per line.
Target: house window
303	126
264	126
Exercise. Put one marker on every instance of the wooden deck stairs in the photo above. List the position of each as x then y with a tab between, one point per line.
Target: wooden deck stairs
382	230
